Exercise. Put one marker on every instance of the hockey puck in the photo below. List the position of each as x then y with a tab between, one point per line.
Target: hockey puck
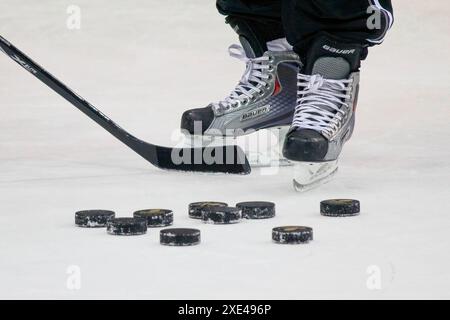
257	209
221	215
195	208
156	217
127	226
292	234
339	207
93	218
179	237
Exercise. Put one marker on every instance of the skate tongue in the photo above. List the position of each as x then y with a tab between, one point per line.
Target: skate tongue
331	68
279	45
332	58
249	52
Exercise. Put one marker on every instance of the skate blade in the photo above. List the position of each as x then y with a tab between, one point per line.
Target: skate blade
262	160
263	148
309	175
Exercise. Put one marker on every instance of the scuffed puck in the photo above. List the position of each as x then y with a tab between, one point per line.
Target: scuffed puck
339	207
156	217
257	209
221	215
127	226
93	218
179	237
195	208
292	234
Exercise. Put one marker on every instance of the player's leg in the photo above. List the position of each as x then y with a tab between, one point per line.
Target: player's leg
331	37
256	22
264	97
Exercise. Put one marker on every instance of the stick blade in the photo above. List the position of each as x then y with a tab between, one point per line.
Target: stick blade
219	159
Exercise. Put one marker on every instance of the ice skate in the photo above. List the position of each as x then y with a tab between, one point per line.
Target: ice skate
257	114
325	113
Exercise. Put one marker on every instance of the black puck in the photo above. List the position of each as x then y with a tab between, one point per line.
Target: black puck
257	209
339	207
292	234
127	226
93	218
156	217
180	237
221	215
195	208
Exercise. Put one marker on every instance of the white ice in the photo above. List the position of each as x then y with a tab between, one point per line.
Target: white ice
143	63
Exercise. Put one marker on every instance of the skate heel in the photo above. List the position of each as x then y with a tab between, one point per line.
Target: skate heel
309	175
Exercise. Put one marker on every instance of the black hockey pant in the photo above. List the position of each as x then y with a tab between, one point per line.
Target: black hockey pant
363	22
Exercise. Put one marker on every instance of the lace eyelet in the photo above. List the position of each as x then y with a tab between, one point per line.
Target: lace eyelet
271	58
271	68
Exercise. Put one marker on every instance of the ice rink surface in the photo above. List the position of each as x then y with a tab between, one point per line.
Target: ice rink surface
143	63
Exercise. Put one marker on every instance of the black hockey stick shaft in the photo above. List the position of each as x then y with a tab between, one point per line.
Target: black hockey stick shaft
157	155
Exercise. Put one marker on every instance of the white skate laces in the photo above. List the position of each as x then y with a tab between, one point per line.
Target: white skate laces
321	103
250	86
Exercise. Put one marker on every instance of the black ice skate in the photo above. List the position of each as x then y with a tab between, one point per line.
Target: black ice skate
263	99
325	113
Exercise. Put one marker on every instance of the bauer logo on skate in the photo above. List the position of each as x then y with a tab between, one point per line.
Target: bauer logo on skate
338	51
255	113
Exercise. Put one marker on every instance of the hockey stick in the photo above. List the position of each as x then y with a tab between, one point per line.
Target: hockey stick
224	159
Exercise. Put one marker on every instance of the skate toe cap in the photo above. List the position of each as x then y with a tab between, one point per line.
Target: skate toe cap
305	145
197	121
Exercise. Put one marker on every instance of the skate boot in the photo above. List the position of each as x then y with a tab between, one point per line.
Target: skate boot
264	98
325	113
